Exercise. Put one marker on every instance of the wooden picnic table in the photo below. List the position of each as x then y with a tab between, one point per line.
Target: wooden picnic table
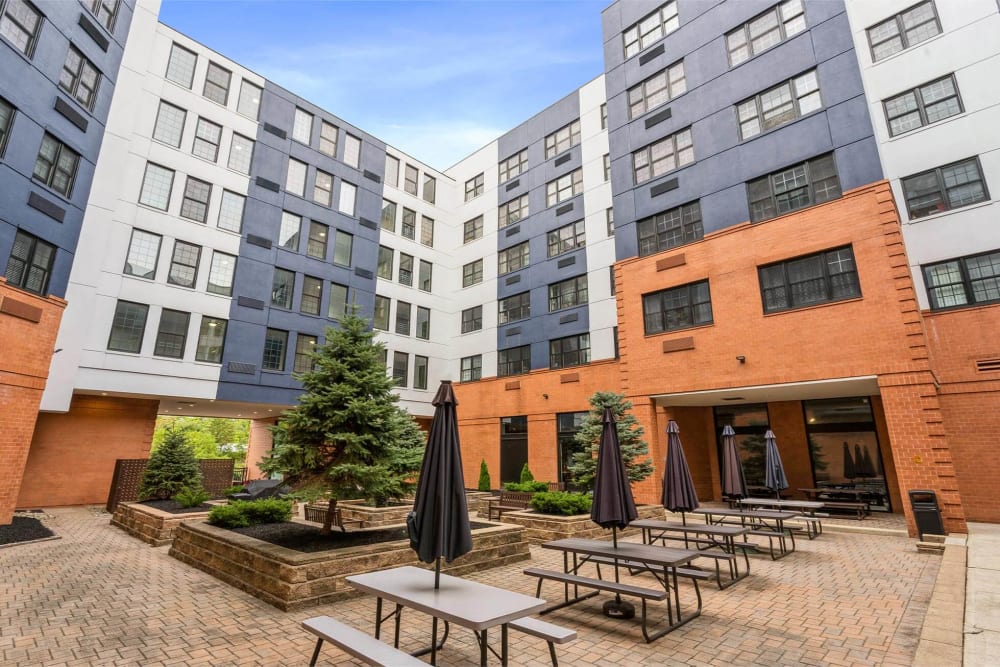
704	536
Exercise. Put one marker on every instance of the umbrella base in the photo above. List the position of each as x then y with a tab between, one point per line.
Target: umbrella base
619	609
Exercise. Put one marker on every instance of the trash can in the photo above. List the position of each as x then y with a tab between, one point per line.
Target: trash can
926	513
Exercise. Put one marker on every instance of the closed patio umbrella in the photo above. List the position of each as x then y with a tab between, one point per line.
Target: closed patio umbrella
862	466
867	459
850	472
613	505
734	484
679	494
439	523
774	471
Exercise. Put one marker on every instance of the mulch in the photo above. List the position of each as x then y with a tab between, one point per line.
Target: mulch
306	539
24	529
174	507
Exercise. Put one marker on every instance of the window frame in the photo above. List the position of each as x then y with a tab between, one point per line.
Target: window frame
425	276
269	337
212	270
229	195
966	281
156	124
199	142
352	150
514	258
512	166
95	7
323	192
642	88
293	240
554	142
332	310
473	370
327	128
190	203
514	308
240	108
141	329
161	334
422	328
562	299
405	271
477	184
668	16
73	88
29	264
810	186
282	293
401	368
194	65
781	26
648	151
409	183
472	230
237	144
180	246
394	171
516	208
555	190
203	350
408	224
5	128
341	237
426	231
348	194
300	133
472	272
305	345
377	310
156	255
55	168
506	365
217	68
388	206
384	265
170	187
942	187
557	243
472	319
557	356
902	30
686	225
301	191
421	371
430	188
404	317
306	297
690	294
765	125
921	108
787	284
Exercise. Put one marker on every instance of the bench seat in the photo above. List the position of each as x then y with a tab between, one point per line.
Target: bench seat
657	594
362	646
861	508
550	632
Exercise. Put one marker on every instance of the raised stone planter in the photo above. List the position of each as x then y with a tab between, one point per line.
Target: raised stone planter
151	525
292	580
547	527
477	501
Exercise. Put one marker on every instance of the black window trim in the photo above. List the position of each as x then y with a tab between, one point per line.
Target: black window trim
921	107
826	279
811	185
898	17
942	188
966	281
689	287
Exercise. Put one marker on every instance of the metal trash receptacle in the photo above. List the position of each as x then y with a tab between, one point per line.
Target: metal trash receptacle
926	513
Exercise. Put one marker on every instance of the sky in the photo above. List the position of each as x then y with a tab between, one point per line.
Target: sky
437	80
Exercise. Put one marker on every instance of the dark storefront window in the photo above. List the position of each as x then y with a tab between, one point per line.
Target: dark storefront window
567	424
513	447
750	423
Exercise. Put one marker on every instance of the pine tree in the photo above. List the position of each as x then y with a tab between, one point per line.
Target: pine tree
635	451
526	475
347	435
484	477
172	466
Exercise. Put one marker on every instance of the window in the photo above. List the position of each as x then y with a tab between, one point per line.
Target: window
951	186
568	293
430	188
328	138
80	78
231	211
677	308
312	295
304	347
903	30
348	194
288	234
564	187
604	116
55	166
180	67
514	361
923	105
389	216
609	220
184	264
820	278
352	150
776	106
663	157
423	323
405	269
384	262
403	318
143	253
400	372
472	273
426	231
410	180
562	139
318	235
248	103
282	288
343	247
772	27
6	121
472	368
323	188
513	211
295	181
419	372
220	275
566	239
799	186
472	319
302	126
275	344
104	11
473	187
172	334
381	313
19	23
30	263
217	81
240	153
408	228
211	338
650	29
569	351
513	258
338	301
392	171
514	308
964	281
670	229
611	275
169	124
472	229
658	89
607	167
425	277
128	327
156	185
513	166
194	205
207	136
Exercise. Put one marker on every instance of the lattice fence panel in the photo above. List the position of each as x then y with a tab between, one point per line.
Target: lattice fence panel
216	474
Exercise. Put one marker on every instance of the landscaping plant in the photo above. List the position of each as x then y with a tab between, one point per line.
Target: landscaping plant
484	477
635	451
192	496
172	466
563	503
527	487
243	513
526	475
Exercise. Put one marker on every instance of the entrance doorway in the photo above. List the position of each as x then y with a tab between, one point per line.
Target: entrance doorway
750	422
513	447
567	424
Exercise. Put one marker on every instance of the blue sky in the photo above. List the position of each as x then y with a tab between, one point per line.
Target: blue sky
435	79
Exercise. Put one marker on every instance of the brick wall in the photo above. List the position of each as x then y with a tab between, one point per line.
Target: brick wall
260	444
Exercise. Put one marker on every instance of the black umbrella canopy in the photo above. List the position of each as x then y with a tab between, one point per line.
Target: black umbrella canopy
774	471
679	494
613	505
439	522
849	470
734	484
868	465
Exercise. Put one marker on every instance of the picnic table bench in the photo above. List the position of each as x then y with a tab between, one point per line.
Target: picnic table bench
362	646
812	518
703	537
508	501
836	499
760	523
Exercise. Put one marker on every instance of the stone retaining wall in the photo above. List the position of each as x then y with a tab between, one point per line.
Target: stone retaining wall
547	527
150	525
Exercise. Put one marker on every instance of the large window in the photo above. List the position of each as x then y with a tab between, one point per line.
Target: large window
231	211
472	319
169	126
419	372
240	153
513	211
669	229
513	166
282	288
514	308
566	239
55	166
338	301
568	293
288	233
392	171
275	345
143	253
513	259
328	139
128	327
352	151
425	278
220	275
403	318
899	32
380	318
388	216
80	78
472	273
652	28
426	231
473	187
778	105
384	267
207	137
772	27
563	188
430	188
194	205
408	224
348	196
923	105
514	361
211	338
562	139
295	180
30	264
20	23
677	308
180	67
6	121
423	323
569	351
749	423
302	126
656	90
472	368
400	368
156	185
820	278
343	247
567	426
411	179
472	229
305	346
184	264
318	237
792	188
964	281
323	189
217	80
248	103
171	336
104	11
312	295
662	157
405	268
951	186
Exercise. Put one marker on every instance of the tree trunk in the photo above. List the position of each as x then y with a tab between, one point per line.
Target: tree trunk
331	512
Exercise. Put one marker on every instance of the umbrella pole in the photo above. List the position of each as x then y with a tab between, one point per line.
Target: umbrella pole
437	573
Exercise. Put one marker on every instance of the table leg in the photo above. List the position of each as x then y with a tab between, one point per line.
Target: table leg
483	643
434	640
378	618
503	645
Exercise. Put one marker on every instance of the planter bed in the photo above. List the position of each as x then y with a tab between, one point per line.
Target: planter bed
540	528
154	525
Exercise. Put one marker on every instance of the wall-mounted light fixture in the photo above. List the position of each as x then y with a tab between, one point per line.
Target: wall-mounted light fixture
740	358
545	396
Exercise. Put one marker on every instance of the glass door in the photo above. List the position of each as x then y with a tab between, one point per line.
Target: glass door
513	448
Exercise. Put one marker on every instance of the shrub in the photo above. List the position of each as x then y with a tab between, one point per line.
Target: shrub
526	475
239	488
527	487
484	477
191	496
562	503
228	516
172	467
243	513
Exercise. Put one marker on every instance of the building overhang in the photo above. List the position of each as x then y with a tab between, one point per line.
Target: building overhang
866	385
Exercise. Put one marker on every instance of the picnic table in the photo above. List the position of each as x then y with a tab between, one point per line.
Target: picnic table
814	527
842	498
762	523
704	536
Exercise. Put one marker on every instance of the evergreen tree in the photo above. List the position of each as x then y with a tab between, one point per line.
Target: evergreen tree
172	466
347	435
526	475
635	451
484	477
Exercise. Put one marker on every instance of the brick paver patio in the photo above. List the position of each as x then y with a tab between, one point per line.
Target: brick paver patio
99	597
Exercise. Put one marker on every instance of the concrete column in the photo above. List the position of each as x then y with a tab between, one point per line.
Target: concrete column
260	444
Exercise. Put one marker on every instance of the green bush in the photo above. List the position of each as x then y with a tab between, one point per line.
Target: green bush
561	502
484	477
527	487
228	516
239	488
243	513
191	496
526	475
